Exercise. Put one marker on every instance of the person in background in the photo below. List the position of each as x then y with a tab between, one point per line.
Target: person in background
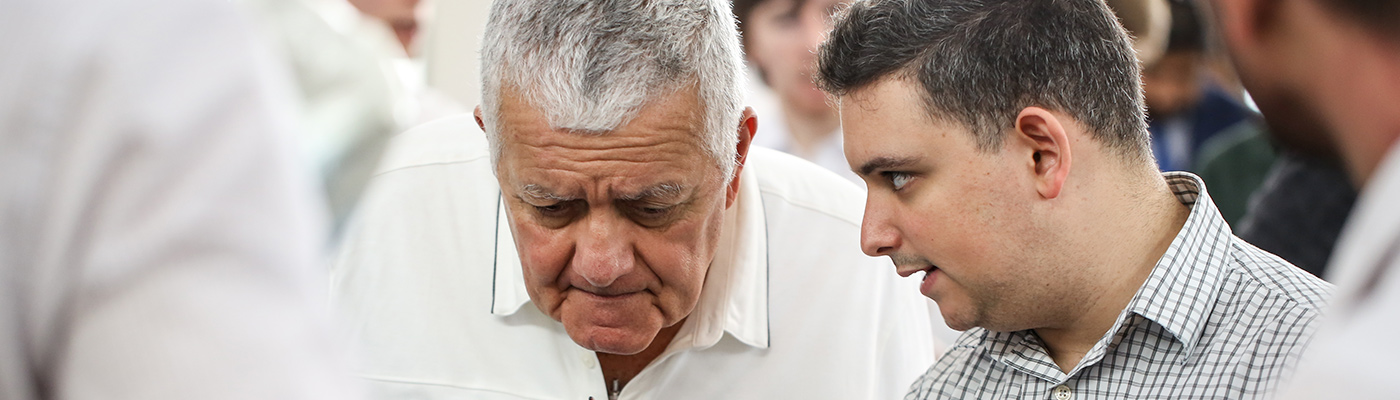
613	235
1185	108
1299	211
159	236
400	15
1326	75
1148	22
780	39
1007	159
346	110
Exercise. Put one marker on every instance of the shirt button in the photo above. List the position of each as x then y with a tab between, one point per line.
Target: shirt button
1062	392
589	359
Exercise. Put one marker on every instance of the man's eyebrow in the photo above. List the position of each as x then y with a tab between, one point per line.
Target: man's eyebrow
885	163
658	191
540	192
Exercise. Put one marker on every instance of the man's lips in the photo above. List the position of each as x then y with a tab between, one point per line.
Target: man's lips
608	294
907	270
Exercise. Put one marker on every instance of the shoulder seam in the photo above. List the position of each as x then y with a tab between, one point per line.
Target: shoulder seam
426	164
773	192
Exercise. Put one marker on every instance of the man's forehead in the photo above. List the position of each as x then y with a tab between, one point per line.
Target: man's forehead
677	113
658	191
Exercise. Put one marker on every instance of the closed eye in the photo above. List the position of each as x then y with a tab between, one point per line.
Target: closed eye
556	210
651	214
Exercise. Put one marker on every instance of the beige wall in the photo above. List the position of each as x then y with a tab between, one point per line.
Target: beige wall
452	46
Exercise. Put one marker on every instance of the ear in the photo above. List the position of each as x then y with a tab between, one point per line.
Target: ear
1041	138
748	127
480	123
1244	23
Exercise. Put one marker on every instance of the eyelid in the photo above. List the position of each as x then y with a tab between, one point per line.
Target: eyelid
892	176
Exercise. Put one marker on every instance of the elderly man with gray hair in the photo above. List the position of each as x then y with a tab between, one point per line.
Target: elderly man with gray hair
613	234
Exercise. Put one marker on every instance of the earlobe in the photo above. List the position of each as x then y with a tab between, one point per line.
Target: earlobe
480	123
748	127
1049	147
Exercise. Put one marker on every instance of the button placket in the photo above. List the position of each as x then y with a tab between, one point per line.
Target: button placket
1062	392
589	359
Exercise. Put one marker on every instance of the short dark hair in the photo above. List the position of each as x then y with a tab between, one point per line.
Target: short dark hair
980	62
1187	33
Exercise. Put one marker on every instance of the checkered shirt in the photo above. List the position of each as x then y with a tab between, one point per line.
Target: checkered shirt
1216	319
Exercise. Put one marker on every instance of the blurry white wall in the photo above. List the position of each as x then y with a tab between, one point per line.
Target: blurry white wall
451	48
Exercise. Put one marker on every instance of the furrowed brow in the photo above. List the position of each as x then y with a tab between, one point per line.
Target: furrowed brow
540	192
879	163
664	191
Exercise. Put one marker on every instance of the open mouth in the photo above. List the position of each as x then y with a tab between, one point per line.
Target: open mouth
908	271
927	271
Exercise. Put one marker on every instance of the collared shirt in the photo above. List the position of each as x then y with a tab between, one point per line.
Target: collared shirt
1355	351
159	238
1217	318
432	284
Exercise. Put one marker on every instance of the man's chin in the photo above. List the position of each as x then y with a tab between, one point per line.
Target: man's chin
958	324
1292	124
625	325
612	340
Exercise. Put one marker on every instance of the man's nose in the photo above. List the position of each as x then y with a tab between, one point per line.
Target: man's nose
878	237
603	253
814	31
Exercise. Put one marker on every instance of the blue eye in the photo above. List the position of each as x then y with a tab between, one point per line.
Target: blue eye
898	179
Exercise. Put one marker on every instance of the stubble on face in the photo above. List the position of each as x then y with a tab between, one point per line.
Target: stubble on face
971	213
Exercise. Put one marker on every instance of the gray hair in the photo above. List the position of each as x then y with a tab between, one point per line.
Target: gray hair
980	62
590	65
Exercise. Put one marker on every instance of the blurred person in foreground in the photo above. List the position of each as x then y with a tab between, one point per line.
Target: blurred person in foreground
158	237
614	235
1326	75
780	39
1007	159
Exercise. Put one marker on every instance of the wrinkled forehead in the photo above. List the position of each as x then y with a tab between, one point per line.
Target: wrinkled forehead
664	139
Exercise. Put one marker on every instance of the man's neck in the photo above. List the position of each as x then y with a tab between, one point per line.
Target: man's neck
622	368
1136	238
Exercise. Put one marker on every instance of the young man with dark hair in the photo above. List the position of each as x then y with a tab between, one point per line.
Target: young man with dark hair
1007	158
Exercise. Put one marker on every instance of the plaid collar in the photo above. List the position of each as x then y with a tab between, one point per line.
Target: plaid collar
1178	295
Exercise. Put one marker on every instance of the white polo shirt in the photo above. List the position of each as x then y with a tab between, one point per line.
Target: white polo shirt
432	286
1353	356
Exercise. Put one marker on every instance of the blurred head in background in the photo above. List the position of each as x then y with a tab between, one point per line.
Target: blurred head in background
400	15
1172	83
780	39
